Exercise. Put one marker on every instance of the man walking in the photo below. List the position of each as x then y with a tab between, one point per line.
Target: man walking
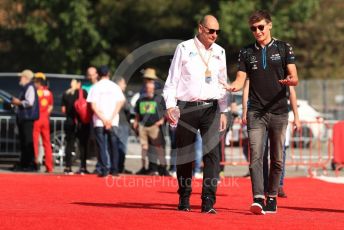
106	99
269	64
193	85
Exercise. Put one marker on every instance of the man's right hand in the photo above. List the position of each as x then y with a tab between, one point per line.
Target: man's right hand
229	87
16	101
169	116
107	124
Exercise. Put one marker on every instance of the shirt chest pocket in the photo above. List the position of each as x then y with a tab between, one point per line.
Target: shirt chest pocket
275	60
192	67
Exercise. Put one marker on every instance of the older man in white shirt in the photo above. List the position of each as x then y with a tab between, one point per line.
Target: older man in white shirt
193	85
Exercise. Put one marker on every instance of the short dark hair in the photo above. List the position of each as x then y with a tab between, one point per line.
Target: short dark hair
259	15
103	71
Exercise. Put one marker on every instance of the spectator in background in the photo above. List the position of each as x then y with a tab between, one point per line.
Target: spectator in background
149	76
92	77
41	126
106	99
149	119
197	172
123	128
27	113
74	128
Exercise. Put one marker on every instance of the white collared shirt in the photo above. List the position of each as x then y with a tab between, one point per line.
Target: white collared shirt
186	77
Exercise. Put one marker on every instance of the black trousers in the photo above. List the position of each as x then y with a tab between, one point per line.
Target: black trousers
206	118
27	157
75	131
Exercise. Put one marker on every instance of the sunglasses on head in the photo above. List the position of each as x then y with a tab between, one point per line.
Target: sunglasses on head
211	31
254	28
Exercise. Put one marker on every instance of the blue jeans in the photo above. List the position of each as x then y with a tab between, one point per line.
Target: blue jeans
107	141
123	134
198	153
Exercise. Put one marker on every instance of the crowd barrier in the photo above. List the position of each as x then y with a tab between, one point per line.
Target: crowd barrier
9	140
310	147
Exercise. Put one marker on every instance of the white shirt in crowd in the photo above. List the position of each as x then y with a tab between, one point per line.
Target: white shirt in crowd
106	95
186	77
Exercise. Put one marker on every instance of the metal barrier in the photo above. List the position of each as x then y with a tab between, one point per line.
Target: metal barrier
9	140
310	147
9	144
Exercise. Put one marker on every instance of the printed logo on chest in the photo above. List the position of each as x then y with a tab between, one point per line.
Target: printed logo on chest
275	57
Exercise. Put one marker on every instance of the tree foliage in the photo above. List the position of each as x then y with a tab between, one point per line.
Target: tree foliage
67	36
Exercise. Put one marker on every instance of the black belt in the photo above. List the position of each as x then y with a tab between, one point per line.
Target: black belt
196	103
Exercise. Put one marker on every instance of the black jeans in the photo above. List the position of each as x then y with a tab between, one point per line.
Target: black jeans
27	157
75	131
206	118
83	134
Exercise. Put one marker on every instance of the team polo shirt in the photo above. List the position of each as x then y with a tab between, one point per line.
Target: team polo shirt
264	67
45	98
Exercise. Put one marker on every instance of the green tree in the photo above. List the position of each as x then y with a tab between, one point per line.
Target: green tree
234	21
321	41
67	36
64	34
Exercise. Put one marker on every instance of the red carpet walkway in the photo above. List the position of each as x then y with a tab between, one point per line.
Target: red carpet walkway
31	201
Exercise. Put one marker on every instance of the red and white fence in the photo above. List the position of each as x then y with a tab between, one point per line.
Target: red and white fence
311	147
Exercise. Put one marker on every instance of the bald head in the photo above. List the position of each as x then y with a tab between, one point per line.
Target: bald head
92	74
209	20
208	30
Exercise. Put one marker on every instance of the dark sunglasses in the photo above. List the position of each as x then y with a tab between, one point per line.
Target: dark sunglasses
254	28
211	31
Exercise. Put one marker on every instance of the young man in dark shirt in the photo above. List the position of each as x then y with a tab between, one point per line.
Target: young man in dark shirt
269	64
149	111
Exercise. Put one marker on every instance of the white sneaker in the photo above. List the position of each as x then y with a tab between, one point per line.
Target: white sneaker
198	175
174	174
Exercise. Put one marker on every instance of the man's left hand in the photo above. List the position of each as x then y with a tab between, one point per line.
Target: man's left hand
297	125
289	80
223	122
